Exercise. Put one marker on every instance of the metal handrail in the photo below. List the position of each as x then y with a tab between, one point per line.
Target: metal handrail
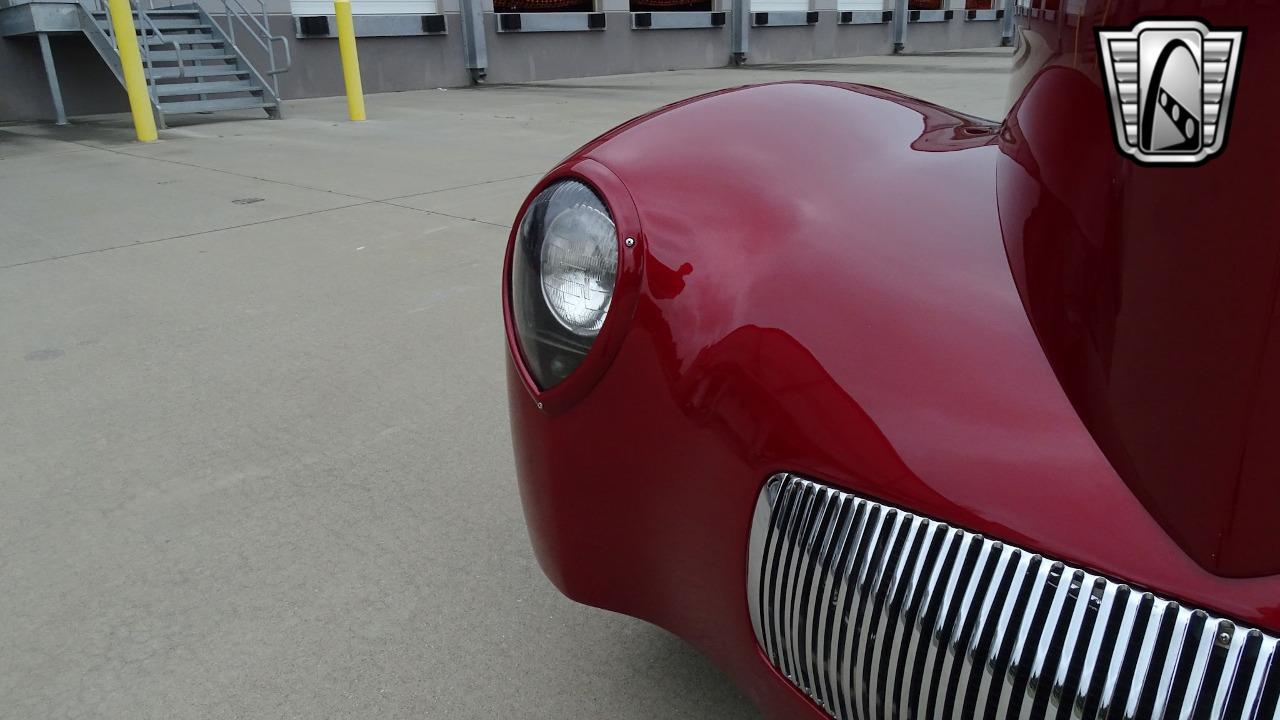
259	30
100	6
145	23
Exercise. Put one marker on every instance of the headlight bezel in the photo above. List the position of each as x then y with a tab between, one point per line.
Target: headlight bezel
630	257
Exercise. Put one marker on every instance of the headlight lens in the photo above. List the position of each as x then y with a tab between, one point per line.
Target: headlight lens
563	272
579	262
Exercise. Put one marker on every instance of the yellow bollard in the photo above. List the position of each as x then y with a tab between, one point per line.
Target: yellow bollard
350	61
135	81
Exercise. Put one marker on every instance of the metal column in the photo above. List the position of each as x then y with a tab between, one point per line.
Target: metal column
50	72
900	14
473	44
1006	24
739	31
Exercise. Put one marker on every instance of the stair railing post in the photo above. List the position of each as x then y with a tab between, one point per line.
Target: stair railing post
256	25
135	81
151	34
144	43
101	6
271	49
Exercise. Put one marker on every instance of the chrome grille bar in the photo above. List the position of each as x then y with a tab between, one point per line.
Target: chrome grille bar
879	614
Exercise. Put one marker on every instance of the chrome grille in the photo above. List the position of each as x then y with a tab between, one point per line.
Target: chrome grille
877	613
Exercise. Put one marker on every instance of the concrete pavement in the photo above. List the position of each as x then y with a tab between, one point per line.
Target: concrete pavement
254	459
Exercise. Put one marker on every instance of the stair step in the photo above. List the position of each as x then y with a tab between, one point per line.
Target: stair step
183	21
163	24
206	88
161	12
189	55
169	31
189	39
191	71
169	28
195	106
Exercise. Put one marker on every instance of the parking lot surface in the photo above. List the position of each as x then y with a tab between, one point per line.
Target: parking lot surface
254	457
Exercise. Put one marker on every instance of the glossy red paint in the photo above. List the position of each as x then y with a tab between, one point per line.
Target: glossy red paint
826	291
1154	289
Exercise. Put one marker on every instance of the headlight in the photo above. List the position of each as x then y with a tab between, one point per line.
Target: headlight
563	271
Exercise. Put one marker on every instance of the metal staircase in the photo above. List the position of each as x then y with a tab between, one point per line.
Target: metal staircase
192	63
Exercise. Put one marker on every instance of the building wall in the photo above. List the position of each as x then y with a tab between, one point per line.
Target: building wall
387	64
88	87
418	62
526	57
826	39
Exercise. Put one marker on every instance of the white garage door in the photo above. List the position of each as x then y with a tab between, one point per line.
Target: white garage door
779	5
876	5
367	7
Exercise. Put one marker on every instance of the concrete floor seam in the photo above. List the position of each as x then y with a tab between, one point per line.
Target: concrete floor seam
315	189
455	217
261	222
189	235
224	172
463	187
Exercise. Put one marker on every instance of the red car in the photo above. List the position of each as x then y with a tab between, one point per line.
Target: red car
894	412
